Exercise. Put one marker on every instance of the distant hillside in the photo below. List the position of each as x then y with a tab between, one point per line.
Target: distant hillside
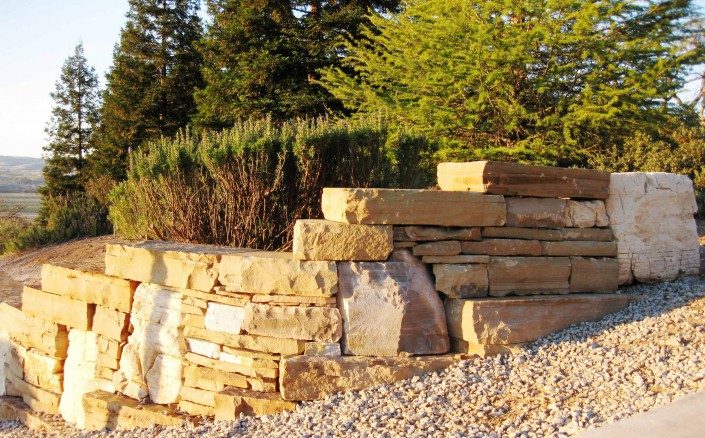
20	174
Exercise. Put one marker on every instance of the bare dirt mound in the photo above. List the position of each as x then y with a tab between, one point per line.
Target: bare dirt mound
17	270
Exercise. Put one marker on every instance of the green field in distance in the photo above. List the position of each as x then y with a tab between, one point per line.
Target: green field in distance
28	201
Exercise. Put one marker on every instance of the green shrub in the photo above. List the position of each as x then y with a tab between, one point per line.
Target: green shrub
247	185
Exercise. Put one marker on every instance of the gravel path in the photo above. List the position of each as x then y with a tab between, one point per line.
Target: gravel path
591	374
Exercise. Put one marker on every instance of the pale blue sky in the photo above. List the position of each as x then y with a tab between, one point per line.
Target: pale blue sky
35	38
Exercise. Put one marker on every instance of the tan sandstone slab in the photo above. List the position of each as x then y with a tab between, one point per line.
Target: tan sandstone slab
245	370
111	411
594	275
536	212
442	248
391	308
529	275
248	342
461	280
462	258
39	399
277	273
96	288
431	234
112	324
33	332
323	324
317	239
503	247
57	309
516	320
316	377
593	234
195	409
232	402
171	264
412	207
522	180
15	409
214	376
579	248
197	395
323	349
44	371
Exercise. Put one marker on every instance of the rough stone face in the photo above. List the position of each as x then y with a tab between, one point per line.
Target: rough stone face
594	275
224	318
232	402
171	264
412	207
322	349
503	247
592	234
44	371
579	248
316	377
536	212
216	378
391	308
196	395
110	411
110	323
32	332
323	324
442	248
57	309
223	365
515	320
38	399
164	379
79	374
529	275
431	234
586	214
277	273
521	180
249	342
92	287
316	239
461	281
651	215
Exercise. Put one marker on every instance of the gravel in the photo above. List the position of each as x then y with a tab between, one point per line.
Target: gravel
591	374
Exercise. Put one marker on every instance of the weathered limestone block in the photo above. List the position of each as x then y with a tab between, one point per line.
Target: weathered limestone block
195	409
38	399
248	342
529	275
323	324
248	361
110	347
200	383
651	215
109	411
164	379
515	320
232	402
316	239
521	180
32	332
57	309
586	214
277	273
196	297
79	374
412	207
196	395
198	321
536	212
224	318
293	300
214	376
12	357
14	409
441	248
503	247
46	372
171	264
112	324
594	275
592	234
391	308
222	365
579	248
432	234
461	281
316	377
322	349
203	348
92	287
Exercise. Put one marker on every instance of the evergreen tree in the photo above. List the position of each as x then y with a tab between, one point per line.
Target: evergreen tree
534	81
261	57
71	128
155	70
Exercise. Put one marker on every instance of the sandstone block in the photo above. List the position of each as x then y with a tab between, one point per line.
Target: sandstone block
277	273
57	309
401	245
461	281
412	207
516	320
483	350
205	384
248	342
32	332
46	372
593	234
110	347
164	379
503	247
40	400
431	234
14	409
322	324
463	258
580	248
222	365
111	324
586	214
322	349
232	402
247	360
222	297
391	308
651	215
316	377
536	212
442	248
529	275
92	287
293	300
12	356
203	348
171	264
80	370
197	321
196	395
521	180
316	239
214	376
196	409
224	318
110	411
594	275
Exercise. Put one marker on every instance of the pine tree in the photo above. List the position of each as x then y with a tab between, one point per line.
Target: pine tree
71	128
155	70
261	58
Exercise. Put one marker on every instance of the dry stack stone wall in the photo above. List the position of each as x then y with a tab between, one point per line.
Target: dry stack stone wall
391	284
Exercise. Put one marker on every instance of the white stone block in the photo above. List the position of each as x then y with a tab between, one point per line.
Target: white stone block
204	348
79	375
224	318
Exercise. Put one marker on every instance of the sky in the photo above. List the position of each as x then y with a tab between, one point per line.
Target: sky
37	36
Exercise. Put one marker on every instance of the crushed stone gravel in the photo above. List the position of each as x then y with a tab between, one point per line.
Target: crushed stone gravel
589	375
